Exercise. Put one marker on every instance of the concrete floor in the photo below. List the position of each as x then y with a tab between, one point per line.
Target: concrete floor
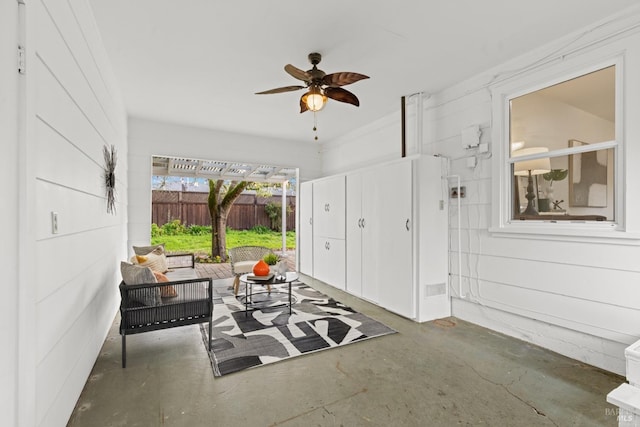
441	373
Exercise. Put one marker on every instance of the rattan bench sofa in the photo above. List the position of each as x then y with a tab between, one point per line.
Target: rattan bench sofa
192	303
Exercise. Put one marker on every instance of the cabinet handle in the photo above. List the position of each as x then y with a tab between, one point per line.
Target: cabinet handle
327	245
310	221
407	224
362	222
328	207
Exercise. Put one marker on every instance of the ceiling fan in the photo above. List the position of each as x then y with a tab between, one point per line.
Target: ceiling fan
321	85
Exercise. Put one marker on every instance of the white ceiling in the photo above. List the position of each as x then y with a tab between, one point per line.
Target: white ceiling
199	62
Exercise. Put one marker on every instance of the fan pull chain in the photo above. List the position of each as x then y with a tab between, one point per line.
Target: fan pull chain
315	125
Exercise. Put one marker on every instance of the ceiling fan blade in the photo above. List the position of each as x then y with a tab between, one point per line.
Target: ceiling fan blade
303	104
280	90
342	78
297	73
341	95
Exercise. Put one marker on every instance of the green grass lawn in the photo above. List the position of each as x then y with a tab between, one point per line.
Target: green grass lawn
202	244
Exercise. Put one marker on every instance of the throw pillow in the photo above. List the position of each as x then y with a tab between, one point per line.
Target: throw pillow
135	275
155	262
165	291
143	250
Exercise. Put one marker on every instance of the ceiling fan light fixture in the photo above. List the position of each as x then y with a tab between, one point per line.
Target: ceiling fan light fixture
315	99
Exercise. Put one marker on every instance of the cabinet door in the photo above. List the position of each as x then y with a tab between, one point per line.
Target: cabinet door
394	239
329	207
305	251
336	263
373	252
320	259
353	227
329	261
388	238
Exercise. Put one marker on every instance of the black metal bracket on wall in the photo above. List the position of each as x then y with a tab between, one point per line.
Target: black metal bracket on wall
403	147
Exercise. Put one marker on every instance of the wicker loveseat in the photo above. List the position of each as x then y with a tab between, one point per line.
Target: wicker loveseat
242	260
189	301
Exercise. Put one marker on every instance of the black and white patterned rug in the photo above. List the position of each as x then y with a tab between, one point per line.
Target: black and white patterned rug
271	334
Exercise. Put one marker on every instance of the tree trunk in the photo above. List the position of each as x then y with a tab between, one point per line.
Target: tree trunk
215	250
214	189
219	207
221	238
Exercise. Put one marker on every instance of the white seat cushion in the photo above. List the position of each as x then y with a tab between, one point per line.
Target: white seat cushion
242	267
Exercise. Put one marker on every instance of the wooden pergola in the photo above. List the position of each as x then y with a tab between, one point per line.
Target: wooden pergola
215	169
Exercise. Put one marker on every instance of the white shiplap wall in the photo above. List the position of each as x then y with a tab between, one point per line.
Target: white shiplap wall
374	143
69	279
8	178
576	296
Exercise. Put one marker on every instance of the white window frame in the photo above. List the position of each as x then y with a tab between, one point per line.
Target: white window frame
502	203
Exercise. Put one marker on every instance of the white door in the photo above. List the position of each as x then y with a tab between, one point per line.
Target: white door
320	217
388	237
373	252
353	227
328	207
336	263
305	251
320	259
328	261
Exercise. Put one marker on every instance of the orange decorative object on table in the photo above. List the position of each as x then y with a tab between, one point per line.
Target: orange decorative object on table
261	268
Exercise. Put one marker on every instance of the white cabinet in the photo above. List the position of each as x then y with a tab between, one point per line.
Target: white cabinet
328	207
305	228
329	231
381	233
379	236
354	229
329	260
431	249
388	239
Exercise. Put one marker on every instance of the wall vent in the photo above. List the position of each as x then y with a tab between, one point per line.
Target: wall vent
431	290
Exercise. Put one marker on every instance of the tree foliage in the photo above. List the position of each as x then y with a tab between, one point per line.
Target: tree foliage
274	212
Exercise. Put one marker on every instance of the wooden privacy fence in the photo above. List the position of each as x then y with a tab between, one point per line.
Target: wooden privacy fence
191	209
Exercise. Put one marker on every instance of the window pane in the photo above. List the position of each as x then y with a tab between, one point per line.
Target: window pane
575	187
582	108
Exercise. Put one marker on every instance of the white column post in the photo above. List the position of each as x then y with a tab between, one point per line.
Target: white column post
284	218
